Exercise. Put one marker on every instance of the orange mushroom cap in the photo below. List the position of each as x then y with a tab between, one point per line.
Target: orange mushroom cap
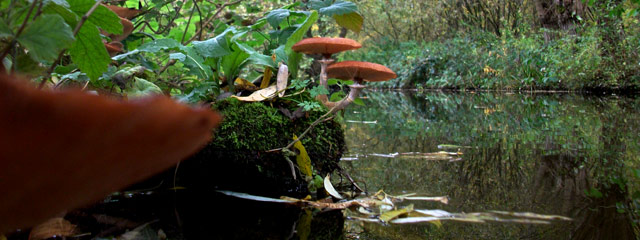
63	150
367	71
325	46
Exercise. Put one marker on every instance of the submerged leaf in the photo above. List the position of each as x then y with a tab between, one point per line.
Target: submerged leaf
390	215
255	198
329	188
302	159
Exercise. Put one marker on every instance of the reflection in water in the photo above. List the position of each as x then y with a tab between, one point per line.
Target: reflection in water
552	154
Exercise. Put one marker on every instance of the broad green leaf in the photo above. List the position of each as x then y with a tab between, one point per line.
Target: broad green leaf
46	37
141	87
294	57
195	63
302	159
339	7
257	58
232	63
69	17
159	45
62	3
329	187
275	17
213	47
5	31
89	53
318	4
152	47
352	21
102	17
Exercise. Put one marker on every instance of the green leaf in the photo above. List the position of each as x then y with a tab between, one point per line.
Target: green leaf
275	17
352	21
257	58
318	90
195	63
5	31
141	88
294	57
213	47
337	96
339	7
358	101
159	45
232	63
89	53
46	37
102	17
62	3
69	17
318	4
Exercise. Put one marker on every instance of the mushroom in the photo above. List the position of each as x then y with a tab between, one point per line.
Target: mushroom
326	47
359	72
63	150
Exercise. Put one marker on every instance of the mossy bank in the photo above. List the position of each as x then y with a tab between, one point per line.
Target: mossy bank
238	157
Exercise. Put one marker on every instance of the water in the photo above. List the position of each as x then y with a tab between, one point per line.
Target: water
563	154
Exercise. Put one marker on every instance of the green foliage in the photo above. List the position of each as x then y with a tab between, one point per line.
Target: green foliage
46	37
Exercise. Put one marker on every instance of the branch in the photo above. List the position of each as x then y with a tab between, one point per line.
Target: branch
215	15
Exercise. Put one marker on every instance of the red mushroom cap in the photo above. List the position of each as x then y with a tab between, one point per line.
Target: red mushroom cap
325	46
63	150
367	71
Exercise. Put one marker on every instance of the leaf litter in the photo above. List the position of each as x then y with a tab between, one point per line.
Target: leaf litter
383	208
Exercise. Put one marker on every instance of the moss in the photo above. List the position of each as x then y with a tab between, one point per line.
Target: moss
237	158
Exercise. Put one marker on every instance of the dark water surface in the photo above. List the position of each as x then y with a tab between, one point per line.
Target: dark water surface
563	154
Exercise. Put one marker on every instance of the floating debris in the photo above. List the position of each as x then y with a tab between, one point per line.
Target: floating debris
363	122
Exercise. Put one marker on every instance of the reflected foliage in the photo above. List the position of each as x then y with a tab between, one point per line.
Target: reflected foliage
554	154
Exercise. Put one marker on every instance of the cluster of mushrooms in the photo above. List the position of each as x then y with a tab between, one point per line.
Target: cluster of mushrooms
357	71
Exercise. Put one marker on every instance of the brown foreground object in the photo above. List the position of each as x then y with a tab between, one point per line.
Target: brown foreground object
64	150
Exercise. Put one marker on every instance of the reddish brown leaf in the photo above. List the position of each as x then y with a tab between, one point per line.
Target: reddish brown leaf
55	227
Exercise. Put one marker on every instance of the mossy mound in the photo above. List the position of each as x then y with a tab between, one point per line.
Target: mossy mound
237	158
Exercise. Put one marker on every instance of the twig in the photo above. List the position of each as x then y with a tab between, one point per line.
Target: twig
75	33
184	34
195	36
85	17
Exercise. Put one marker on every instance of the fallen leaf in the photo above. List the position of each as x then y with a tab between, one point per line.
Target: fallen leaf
55	227
302	159
329	188
282	78
260	95
243	84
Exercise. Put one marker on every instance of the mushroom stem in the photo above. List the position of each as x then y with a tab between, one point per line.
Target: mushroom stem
354	92
324	62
